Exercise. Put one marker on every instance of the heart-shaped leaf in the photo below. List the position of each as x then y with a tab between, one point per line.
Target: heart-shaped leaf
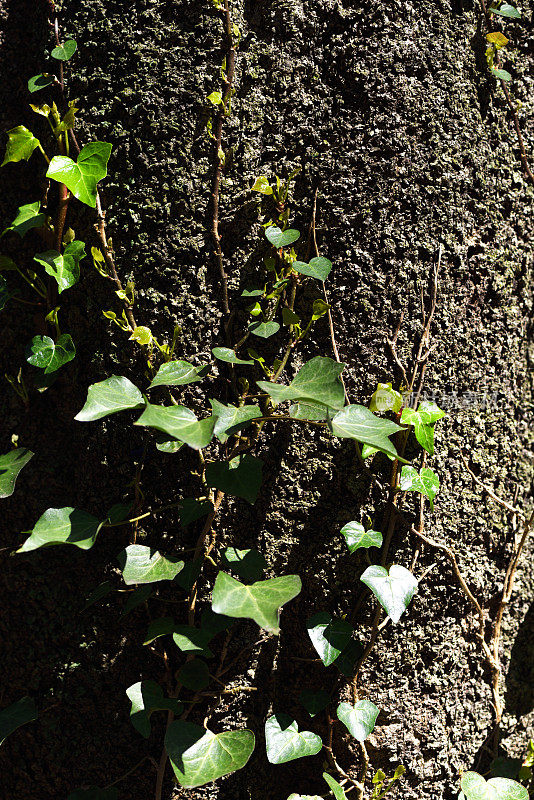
475	787
423	422
142	564
194	675
357	422
40	81
285	742
358	719
317	268
109	396
178	373
240	477
15	715
20	145
356	536
180	423
317	381
81	177
262	185
28	217
314	702
230	419
393	590
64	51
229	356
260	601
199	756
279	238
63	526
264	329
146	697
65	269
385	398
10	465
336	788
43	352
249	564
329	636
94	793
506	10
426	482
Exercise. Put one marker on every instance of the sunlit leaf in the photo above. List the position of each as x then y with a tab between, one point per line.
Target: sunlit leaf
356	536
20	145
250	565
285	742
262	185
10	465
147	697
357	422
318	381
142	564
178	373
109	396
229	356
28	217
423	421
180	423
329	636
359	719
393	590
426	482
64	51
264	329
279	238
65	269
259	601
63	526
230	419
82	176
336	788
43	352
506	10
40	81
475	787
385	398
317	268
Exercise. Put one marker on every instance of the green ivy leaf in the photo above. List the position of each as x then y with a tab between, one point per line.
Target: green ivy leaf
178	373
506	10
63	526
250	565
109	396
262	185
423	421
192	509
285	742
305	409
10	465
314	702
94	793
357	422
180	423
43	352
279	238
385	398
336	788
215	98
15	715
28	217
329	636
40	81
304	797
260	601
426	482
82	176
142	564
359	719
264	329
194	675
317	268
199	756
393	590
349	656
356	536
193	640
240	477
65	269
501	74
20	145
475	787
162	626
137	598
230	419
64	51
229	356
147	697
318	381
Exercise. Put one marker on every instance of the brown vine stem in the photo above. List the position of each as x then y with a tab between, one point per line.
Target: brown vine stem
490	491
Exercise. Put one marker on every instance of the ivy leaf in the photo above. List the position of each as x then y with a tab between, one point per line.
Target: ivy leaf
40	81
250	565
28	217
423	422
230	419
393	590
426	482
475	787
240	477
359	719
501	74
349	656
215	98
142	564
94	793
178	373
199	756
63	526
65	269
385	398
264	329
194	675
193	640
82	176
20	145
314	702
304	797
305	409
229	356
336	788
357	422
109	396
64	51
285	742
329	636
356	536
318	381
163	626
146	697
180	423
260	601
43	352
498	39
506	10
262	185
137	598
10	465
192	509
15	715
317	268
279	238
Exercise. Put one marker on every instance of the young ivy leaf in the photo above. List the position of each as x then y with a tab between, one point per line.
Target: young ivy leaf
20	145
63	526
426	482
10	465
318	381
328	636
423	422
240	477
357	422
262	185
142	564
475	787
284	741
180	423
43	352
264	329
178	373
393	590
199	756
506	10
229	356
385	398
359	719
109	396
15	715
40	81
28	217
261	601
65	269
250	565
317	268
356	536
64	51
147	697
230	419
336	788
82	176
279	238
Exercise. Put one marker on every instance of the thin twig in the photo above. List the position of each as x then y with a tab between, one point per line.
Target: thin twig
490	491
